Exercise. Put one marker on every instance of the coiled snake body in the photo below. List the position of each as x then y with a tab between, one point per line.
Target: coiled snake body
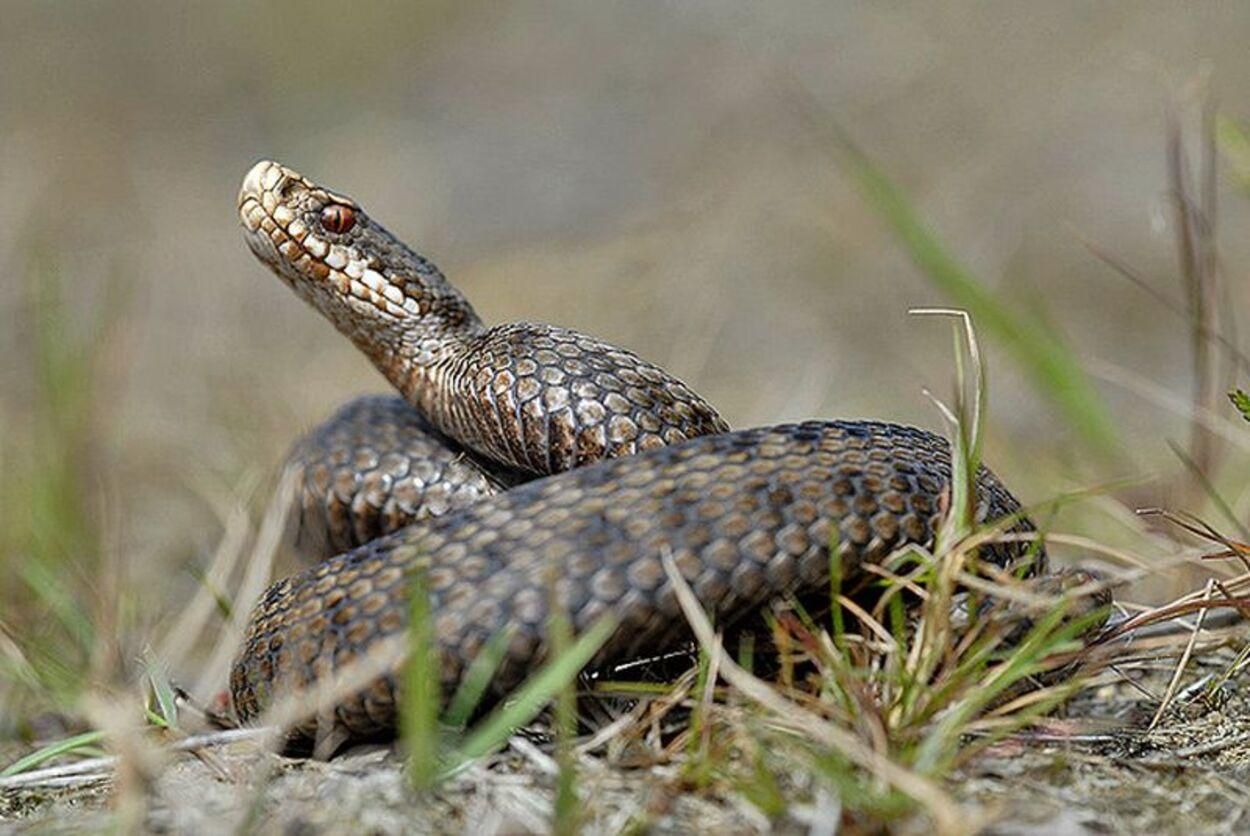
436	481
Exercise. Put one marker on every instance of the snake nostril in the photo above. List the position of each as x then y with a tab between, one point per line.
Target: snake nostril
254	182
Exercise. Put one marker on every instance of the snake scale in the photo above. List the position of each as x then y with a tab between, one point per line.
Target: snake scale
528	459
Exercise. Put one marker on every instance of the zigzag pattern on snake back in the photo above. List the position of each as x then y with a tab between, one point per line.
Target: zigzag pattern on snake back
748	516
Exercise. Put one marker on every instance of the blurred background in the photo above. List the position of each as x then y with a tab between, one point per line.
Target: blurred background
663	175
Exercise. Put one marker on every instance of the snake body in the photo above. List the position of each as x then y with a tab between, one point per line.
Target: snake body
633	464
747	516
377	465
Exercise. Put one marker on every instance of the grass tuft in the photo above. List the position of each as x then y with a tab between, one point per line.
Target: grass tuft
528	700
439	748
889	699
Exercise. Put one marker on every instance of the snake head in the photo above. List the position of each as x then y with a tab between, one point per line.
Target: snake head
322	244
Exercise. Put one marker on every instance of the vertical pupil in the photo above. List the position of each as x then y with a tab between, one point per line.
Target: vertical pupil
337	218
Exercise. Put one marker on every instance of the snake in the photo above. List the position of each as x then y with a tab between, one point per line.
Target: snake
524	468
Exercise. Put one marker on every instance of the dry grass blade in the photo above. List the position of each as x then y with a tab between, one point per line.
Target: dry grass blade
255	577
1203	530
966	423
1235	596
1227	345
1157	395
196	614
1181	664
1207	488
292	708
1195	210
102	767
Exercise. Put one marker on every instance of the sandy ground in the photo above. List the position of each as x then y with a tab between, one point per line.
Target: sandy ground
1096	769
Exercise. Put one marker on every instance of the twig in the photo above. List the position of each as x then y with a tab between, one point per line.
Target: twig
1181	665
1207	748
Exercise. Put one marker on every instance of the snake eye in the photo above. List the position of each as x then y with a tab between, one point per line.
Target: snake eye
337	218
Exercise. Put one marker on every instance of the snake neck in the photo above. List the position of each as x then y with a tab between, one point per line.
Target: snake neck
392	302
418	347
428	367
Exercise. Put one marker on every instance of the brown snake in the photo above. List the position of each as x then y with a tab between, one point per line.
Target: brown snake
748	516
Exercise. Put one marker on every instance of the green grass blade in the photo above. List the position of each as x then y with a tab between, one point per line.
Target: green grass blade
420	692
626	688
565	809
46	583
533	695
52	750
162	691
837	618
1235	146
697	769
1049	362
476	680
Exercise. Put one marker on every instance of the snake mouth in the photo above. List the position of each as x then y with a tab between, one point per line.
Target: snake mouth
252	212
262	215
